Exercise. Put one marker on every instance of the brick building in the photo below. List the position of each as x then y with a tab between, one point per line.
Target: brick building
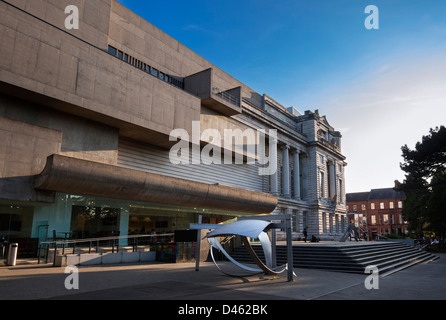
379	211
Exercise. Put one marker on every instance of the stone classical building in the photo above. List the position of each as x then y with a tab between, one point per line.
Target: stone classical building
86	116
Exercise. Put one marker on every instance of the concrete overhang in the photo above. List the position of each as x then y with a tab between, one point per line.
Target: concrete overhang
205	86
82	177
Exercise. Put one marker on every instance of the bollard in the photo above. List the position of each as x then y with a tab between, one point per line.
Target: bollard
12	254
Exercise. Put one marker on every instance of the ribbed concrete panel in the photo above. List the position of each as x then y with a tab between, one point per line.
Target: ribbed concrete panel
151	159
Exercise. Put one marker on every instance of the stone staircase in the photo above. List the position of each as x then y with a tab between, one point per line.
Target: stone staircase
389	257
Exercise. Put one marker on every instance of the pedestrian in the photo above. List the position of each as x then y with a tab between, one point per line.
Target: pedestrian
305	234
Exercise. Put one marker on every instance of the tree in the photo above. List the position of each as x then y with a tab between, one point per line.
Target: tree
436	205
425	183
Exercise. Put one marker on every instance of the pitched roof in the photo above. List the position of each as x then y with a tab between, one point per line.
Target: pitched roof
357	196
375	194
385	193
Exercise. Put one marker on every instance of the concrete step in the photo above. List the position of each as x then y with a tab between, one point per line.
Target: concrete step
389	257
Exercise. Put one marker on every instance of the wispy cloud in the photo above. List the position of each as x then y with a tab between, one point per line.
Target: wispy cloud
396	104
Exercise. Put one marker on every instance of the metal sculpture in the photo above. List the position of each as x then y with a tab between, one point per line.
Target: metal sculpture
245	229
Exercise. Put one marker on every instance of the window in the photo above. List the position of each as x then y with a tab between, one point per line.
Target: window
340	191
373	219
386	218
324	222
391	204
321	159
363	207
381	205
327	169
372	206
355	208
112	50
400	204
294	217
322	186
178	81
291	182
279	175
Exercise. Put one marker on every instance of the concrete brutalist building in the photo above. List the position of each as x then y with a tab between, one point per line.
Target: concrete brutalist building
85	121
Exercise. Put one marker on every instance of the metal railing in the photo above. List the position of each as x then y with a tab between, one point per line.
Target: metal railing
101	245
228	97
352	232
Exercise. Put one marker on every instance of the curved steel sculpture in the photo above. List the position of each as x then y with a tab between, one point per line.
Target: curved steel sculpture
245	229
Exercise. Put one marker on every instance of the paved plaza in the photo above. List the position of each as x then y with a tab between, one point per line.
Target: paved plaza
162	281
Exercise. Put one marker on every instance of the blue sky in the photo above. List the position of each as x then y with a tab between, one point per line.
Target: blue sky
381	88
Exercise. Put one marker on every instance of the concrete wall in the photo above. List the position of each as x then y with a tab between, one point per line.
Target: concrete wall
29	133
50	66
93	24
23	151
142	40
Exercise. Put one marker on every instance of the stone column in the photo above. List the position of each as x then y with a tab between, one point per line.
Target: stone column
286	171
296	182
273	177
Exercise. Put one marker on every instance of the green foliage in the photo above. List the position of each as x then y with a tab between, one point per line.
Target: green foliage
425	183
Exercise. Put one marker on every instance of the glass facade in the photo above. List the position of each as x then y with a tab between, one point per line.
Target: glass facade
81	217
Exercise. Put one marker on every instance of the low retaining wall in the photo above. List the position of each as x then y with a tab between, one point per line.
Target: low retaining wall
103	258
409	242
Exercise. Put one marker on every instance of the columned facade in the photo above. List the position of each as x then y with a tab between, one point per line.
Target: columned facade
296	175
286	171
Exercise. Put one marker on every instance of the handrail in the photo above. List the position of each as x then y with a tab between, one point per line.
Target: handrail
379	236
227	96
351	230
68	241
47	244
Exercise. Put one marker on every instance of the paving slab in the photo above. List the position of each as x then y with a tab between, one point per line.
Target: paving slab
164	281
